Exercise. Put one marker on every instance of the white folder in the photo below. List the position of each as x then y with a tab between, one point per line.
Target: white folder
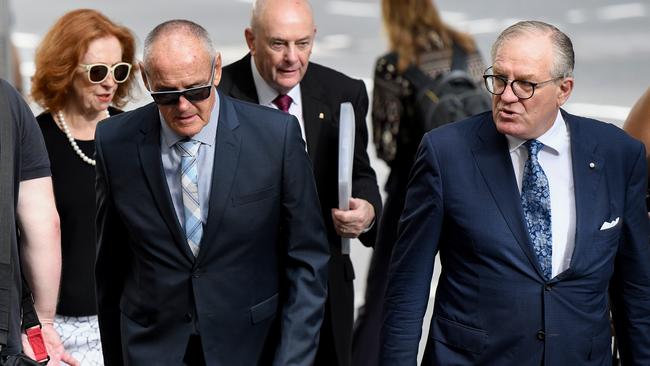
346	161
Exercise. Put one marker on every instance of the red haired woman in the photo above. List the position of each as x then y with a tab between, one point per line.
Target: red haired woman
83	68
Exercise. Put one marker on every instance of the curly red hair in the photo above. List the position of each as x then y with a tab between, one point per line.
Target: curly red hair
60	51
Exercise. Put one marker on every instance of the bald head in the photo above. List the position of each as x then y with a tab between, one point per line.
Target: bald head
265	10
176	36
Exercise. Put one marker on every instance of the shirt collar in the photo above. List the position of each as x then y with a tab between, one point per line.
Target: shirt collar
207	135
554	138
266	94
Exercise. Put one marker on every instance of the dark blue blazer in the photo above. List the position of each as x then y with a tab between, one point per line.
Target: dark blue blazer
256	291
493	305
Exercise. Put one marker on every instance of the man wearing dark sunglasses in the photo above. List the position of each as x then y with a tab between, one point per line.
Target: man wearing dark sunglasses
212	249
277	73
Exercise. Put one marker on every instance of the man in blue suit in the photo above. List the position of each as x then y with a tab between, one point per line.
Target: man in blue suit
540	222
212	249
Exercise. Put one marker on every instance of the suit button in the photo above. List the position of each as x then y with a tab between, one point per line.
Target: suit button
188	317
541	335
548	287
196	273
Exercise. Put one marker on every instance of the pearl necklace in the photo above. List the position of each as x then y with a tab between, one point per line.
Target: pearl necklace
64	126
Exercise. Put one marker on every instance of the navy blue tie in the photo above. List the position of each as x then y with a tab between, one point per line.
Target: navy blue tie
536	202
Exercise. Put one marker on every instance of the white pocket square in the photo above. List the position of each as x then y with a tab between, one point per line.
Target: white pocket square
608	225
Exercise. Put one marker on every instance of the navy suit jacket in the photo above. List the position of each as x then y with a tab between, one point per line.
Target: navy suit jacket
257	288
493	305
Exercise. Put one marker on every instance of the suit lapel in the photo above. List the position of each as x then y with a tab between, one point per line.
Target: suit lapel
586	180
244	87
150	157
226	157
315	111
493	159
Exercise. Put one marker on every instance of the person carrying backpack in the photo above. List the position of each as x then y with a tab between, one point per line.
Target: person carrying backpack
422	49
30	244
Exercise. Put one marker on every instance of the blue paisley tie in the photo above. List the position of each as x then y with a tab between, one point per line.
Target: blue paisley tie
536	202
189	182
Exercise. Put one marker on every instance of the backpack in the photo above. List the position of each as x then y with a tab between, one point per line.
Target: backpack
449	97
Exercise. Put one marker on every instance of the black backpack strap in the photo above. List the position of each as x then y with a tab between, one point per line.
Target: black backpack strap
6	212
30	318
417	77
458	58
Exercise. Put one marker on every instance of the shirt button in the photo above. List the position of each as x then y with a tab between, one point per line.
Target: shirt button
541	335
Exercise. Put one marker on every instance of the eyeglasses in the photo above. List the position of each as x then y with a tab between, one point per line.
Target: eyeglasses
522	89
195	94
98	72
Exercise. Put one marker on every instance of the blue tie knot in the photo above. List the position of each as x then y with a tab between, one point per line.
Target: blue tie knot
533	147
188	147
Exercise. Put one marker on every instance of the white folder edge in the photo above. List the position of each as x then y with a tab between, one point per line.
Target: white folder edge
346	160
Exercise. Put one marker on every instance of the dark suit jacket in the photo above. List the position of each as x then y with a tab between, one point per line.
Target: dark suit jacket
493	305
323	91
263	252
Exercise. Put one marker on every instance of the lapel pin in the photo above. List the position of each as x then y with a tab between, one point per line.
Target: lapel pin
592	165
321	115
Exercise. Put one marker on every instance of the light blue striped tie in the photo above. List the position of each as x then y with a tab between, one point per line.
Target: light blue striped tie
536	202
189	181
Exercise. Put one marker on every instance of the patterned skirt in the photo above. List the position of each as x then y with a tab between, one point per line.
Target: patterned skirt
80	336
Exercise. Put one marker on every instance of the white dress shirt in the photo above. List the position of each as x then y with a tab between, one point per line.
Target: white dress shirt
266	95
555	159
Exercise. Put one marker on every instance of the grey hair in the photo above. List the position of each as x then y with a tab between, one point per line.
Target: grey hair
178	26
564	59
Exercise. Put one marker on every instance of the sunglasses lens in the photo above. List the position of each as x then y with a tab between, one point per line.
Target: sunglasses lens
97	73
121	72
166	98
171	97
198	94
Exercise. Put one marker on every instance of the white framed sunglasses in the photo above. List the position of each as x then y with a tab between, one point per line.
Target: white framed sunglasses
98	72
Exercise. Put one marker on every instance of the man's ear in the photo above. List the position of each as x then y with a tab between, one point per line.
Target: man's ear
143	75
217	69
566	87
250	40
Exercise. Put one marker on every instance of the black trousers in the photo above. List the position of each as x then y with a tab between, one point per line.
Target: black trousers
366	343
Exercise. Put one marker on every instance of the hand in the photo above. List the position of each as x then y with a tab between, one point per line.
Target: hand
53	345
352	223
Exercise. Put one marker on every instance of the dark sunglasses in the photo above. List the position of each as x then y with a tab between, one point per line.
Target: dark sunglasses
195	94
98	72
